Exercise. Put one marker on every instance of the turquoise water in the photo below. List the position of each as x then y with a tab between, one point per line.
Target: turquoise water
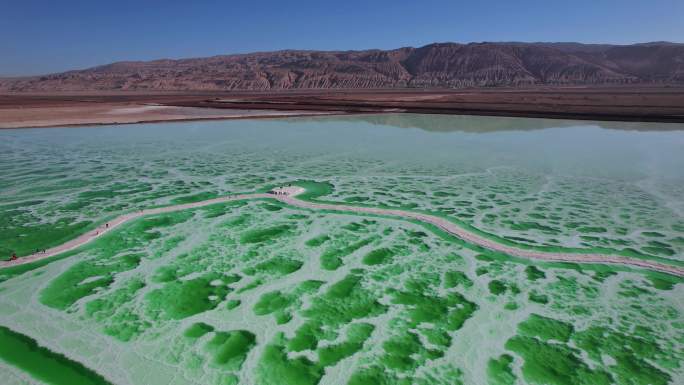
540	182
262	293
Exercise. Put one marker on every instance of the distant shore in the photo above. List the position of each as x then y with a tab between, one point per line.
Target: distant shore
619	103
113	113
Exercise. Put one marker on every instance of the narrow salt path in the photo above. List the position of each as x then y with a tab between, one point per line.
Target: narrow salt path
111	225
288	195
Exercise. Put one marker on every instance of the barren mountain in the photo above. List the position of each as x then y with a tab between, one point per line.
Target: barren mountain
446	65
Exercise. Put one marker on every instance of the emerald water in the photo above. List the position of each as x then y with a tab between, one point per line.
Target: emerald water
257	292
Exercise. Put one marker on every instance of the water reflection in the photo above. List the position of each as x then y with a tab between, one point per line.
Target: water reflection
484	124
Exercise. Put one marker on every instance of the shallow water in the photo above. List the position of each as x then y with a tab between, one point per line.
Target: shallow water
540	182
264	293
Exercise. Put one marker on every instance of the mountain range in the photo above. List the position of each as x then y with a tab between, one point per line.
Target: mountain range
439	65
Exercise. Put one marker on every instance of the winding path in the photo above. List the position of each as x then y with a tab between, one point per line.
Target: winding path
288	195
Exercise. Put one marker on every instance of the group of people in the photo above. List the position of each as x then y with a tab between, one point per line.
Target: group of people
280	192
97	232
14	255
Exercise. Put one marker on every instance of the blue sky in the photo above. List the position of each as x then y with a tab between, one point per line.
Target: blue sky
56	35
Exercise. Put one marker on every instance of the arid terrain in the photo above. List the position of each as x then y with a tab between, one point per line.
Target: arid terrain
443	65
25	111
599	103
639	82
635	103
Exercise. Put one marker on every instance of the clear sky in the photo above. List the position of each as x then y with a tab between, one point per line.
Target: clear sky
42	36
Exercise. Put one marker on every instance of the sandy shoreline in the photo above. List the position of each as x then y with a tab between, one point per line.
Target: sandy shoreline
93	115
288	195
626	103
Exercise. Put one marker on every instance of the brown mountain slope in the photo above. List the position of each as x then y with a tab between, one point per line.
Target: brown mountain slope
446	65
